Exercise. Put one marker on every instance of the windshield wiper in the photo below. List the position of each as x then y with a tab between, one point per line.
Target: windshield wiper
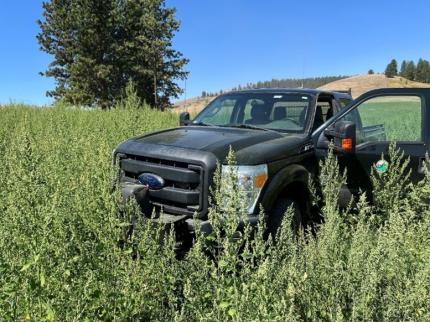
246	126
200	123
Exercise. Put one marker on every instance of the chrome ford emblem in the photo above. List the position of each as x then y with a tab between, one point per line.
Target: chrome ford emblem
151	180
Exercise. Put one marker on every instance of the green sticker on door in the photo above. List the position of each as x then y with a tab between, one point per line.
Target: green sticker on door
381	166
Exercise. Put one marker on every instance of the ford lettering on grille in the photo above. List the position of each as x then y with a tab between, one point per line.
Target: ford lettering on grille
151	180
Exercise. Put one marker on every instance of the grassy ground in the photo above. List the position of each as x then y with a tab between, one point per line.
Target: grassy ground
59	259
401	119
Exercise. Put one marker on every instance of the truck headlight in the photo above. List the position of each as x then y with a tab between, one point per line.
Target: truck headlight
251	180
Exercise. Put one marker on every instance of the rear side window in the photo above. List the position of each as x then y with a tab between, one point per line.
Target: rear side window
326	110
344	102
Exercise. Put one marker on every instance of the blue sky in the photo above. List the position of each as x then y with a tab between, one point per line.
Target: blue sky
231	42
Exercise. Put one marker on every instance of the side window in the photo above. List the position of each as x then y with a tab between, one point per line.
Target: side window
387	118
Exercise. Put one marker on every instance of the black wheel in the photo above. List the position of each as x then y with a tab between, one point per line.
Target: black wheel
277	214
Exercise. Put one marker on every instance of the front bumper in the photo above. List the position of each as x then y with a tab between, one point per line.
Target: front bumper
184	224
205	227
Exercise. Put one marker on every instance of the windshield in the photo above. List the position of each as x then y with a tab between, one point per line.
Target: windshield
283	112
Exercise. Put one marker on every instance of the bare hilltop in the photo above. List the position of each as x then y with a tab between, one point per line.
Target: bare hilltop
364	83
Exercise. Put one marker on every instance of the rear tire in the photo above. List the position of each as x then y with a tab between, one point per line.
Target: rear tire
277	215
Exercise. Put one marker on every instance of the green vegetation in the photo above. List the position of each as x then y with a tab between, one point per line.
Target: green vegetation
60	260
401	119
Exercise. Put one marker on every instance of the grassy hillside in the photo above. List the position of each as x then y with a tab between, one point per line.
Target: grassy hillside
363	83
193	105
60	260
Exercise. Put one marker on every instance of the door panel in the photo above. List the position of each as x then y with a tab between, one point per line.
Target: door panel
369	154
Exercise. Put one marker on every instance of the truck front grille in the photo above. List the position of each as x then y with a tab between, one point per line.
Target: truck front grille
183	189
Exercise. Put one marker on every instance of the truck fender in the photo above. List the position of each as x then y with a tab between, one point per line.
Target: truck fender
295	175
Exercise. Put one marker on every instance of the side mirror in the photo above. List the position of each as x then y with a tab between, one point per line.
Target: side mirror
343	135
184	119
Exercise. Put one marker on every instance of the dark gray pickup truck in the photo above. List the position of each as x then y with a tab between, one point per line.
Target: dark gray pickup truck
278	136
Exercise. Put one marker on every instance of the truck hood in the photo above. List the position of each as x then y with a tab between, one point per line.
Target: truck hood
209	138
251	146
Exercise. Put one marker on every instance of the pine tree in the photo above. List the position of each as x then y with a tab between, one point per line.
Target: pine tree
99	46
145	49
410	70
78	46
370	72
427	71
420	71
391	69
403	69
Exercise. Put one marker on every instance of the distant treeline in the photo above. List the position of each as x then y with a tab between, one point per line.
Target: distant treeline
419	72
311	82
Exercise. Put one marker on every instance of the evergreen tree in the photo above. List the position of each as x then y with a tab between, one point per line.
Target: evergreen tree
370	72
391	69
99	46
77	46
422	71
403	69
427	71
419	71
410	70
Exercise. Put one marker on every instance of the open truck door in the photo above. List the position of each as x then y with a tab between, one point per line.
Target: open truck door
363	132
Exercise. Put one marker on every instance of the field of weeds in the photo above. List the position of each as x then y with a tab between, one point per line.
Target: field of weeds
60	260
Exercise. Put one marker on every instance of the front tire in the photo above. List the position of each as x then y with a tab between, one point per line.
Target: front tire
277	215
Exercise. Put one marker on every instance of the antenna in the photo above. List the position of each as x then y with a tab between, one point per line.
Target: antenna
303	69
304	59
